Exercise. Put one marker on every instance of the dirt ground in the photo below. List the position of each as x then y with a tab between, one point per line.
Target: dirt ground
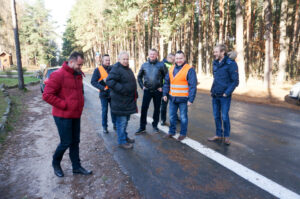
26	155
254	92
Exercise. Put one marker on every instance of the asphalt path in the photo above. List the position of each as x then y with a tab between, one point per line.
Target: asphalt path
265	139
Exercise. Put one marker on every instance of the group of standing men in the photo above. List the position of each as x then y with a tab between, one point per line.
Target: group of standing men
160	81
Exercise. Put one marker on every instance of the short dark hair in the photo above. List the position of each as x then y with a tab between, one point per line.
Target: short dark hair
180	52
154	50
75	55
105	55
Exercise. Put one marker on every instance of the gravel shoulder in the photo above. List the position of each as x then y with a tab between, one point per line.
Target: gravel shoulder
25	158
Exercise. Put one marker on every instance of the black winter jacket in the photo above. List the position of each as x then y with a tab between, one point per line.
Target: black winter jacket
151	75
100	84
123	93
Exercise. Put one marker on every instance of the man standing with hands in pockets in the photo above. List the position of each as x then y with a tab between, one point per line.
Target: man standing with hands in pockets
150	79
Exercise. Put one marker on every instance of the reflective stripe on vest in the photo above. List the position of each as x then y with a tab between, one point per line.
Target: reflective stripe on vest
103	74
179	86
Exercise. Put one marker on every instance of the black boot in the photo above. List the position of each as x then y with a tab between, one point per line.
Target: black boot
57	170
82	171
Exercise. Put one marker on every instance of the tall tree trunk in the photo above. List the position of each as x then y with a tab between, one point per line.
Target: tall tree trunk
268	44
213	23
17	43
240	42
283	42
227	22
200	37
248	34
221	21
192	48
208	40
295	42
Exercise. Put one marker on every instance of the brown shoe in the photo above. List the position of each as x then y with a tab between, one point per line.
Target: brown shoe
181	137
214	139
227	141
168	136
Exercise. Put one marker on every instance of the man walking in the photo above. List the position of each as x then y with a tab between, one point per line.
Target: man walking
64	91
181	84
99	75
164	104
226	79
150	79
122	83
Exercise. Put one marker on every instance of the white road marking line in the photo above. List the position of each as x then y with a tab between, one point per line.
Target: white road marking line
244	172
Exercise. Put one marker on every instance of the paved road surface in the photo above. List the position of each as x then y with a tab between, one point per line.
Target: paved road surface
265	139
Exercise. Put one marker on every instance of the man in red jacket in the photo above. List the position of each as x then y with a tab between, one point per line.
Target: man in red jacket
64	91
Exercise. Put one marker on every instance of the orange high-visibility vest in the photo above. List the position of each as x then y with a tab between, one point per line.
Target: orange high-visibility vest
179	86
103	74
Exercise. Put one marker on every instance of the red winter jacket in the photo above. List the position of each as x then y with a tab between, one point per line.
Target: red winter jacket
64	91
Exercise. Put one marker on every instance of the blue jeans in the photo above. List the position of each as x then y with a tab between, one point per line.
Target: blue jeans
148	95
69	133
221	106
104	105
173	108
121	124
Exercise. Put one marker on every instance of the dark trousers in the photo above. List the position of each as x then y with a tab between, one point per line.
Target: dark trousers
104	105
163	109
148	95
69	133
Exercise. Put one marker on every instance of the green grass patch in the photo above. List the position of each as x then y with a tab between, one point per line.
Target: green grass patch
3	104
14	73
14	81
15	114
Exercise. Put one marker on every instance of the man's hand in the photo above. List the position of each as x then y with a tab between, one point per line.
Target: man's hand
189	103
165	98
159	89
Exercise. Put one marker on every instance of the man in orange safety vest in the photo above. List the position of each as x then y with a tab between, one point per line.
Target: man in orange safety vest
181	85
98	80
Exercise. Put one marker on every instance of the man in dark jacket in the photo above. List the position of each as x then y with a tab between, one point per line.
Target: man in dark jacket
99	75
181	85
226	79
122	84
64	91
150	79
